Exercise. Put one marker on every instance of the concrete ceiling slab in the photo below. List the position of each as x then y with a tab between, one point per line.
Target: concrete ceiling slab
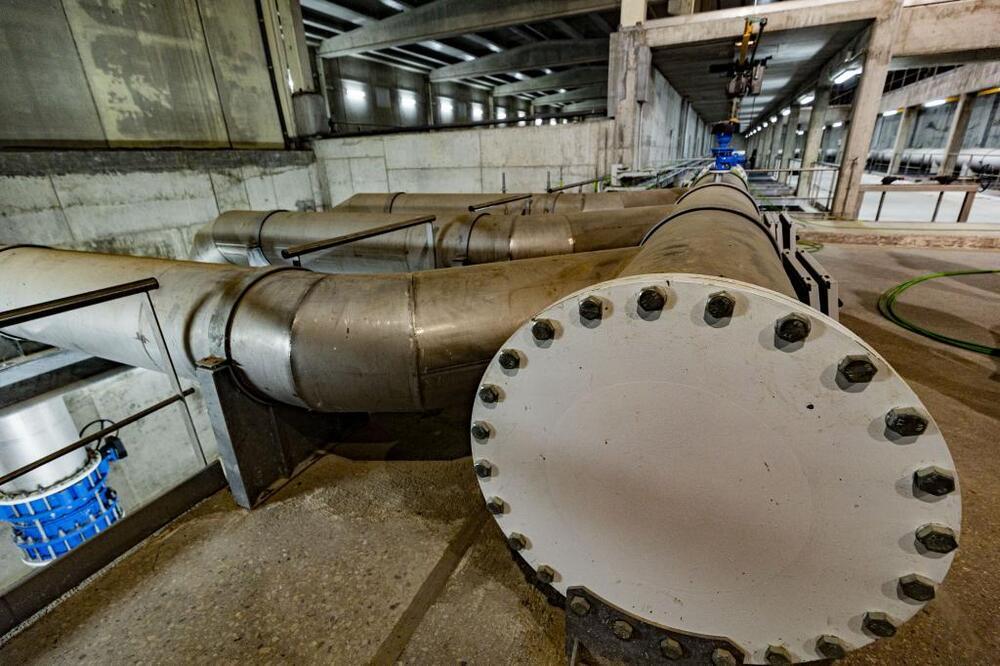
796	56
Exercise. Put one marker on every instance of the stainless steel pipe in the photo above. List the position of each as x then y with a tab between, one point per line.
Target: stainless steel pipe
257	238
531	204
394	342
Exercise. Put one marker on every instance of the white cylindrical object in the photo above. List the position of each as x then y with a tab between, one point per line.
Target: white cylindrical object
31	430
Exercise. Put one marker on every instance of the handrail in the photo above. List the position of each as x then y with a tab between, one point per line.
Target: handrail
68	303
295	252
497	202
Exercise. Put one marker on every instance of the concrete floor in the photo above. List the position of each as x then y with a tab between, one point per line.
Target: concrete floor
398	562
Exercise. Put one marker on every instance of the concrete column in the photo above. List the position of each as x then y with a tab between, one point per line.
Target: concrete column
765	146
902	137
956	134
629	79
680	7
788	150
814	137
776	138
867	97
633	12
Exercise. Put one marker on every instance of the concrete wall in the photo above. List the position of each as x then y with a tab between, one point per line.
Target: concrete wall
671	129
472	160
112	73
384	90
146	203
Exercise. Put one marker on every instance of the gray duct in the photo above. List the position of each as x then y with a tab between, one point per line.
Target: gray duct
395	342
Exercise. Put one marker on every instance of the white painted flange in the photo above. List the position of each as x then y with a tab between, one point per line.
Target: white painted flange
704	477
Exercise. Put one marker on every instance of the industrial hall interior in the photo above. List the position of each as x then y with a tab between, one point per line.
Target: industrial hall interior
496	332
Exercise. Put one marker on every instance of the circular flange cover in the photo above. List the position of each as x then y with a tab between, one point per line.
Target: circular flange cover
707	476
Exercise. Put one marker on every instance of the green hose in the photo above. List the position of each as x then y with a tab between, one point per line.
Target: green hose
888	299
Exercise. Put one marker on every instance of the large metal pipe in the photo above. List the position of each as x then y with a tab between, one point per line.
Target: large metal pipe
32	430
555	202
257	238
390	342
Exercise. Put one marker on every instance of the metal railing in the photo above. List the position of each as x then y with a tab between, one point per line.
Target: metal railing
969	189
822	183
143	287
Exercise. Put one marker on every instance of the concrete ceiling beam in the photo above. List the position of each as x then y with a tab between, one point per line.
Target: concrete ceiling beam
599	91
947	28
585	106
528	56
790	15
581	76
448	18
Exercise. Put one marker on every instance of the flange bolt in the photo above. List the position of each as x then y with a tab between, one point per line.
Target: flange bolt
480	430
489	394
857	368
517	541
495	505
579	605
831	647
510	359
543	330
778	655
917	587
934	481
671	649
652	299
591	308
721	657
905	421
937	538
720	305
792	327
622	629
880	624
545	574
484	469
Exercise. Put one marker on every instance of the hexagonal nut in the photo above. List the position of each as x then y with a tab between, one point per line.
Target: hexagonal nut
831	647
481	430
778	655
671	649
622	630
517	541
509	359
857	368
934	481
792	327
591	308
905	421
579	605
495	505
720	305
543	330
652	299
917	587
483	469
937	538
545	574
489	394
880	624
723	657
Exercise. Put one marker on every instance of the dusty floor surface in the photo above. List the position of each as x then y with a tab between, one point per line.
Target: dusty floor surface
360	562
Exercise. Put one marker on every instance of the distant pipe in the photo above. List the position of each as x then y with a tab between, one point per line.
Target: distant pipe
554	202
394	342
261	238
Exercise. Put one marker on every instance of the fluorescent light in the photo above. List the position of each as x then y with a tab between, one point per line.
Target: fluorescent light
786	111
847	75
495	48
837	124
562	90
764	124
392	4
807	98
501	113
774	119
934	102
890	112
547	70
800	132
355	94
408	101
